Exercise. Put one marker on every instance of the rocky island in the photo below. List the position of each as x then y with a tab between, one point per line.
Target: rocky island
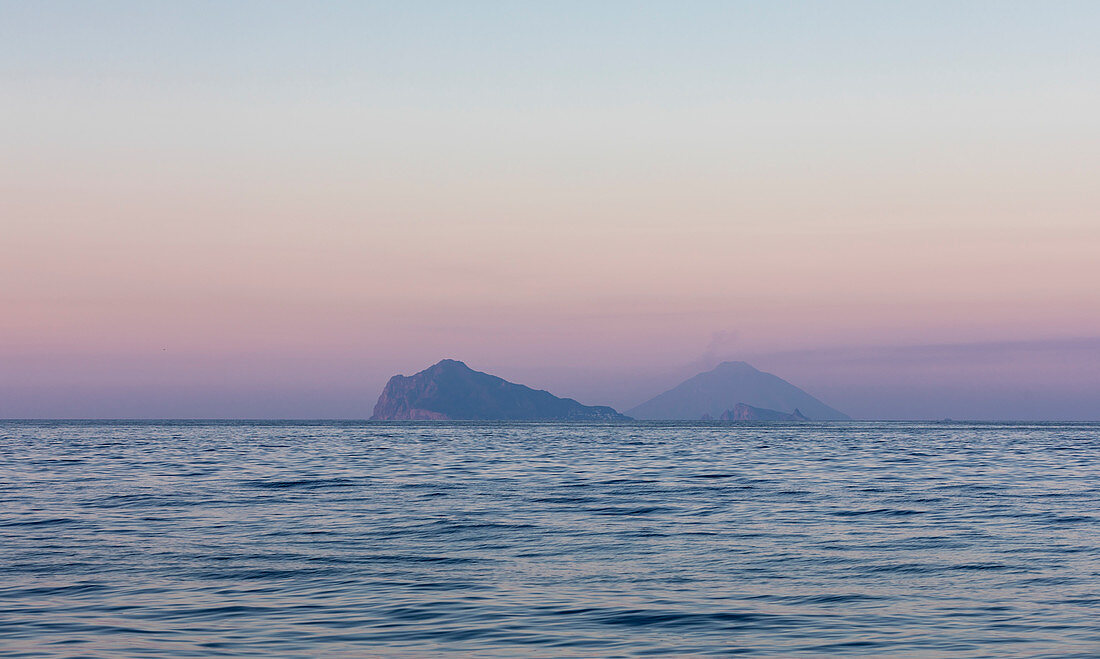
743	412
451	390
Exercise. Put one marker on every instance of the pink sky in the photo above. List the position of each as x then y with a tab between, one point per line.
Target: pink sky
183	224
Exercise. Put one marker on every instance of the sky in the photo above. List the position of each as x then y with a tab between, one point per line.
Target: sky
265	209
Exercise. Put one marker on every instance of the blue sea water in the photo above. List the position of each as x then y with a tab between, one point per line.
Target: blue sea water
187	539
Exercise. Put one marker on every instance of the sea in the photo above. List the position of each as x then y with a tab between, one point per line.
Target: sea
362	539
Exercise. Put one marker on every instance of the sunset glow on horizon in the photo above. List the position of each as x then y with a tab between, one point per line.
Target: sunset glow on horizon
266	211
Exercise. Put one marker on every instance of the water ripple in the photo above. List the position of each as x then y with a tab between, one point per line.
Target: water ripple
385	539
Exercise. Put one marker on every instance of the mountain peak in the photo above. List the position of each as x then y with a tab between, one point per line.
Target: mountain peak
452	364
717	391
735	365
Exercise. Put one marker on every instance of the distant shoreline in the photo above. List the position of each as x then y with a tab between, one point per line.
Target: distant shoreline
631	422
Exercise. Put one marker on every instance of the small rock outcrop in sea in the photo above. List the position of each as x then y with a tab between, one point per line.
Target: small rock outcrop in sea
714	391
452	390
743	412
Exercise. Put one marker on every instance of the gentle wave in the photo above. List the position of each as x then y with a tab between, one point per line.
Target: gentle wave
310	539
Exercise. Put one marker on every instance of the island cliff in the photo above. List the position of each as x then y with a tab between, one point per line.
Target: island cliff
452	390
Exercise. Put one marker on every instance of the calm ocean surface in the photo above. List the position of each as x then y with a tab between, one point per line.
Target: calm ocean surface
371	539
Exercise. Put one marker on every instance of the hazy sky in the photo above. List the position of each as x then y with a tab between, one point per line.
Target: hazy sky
267	208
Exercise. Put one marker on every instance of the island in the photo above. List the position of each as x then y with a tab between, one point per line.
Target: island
730	385
451	390
743	412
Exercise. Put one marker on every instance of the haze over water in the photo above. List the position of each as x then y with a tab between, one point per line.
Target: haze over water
349	539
